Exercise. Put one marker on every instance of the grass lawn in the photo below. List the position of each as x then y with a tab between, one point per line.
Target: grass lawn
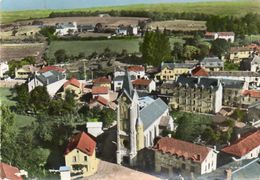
253	38
20	120
6	97
221	8
88	47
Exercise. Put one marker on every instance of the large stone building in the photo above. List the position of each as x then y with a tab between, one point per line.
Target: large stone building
172	157
212	64
194	94
137	126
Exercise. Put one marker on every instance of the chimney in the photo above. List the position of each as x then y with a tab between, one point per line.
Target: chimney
228	174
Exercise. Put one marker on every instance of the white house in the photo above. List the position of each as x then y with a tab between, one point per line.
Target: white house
246	147
66	28
228	36
53	81
144	84
137	71
3	68
255	64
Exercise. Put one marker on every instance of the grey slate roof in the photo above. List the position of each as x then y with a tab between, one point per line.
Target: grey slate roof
153	111
234	84
200	82
177	65
50	77
212	62
234	73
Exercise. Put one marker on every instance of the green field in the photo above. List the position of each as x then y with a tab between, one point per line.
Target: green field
88	47
221	8
6	97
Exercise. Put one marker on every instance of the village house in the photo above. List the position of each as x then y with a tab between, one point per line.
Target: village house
25	71
232	92
253	114
100	91
173	156
245	147
255	64
199	71
86	28
80	154
249	97
144	84
66	28
103	82
3	68
194	94
136	127
52	80
52	68
118	81
170	71
236	54
101	103
127	30
137	71
8	172
212	64
75	86
94	128
228	36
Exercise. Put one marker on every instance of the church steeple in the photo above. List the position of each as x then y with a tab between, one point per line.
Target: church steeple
139	132
127	84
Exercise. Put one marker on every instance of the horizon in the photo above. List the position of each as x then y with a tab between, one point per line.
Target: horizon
26	5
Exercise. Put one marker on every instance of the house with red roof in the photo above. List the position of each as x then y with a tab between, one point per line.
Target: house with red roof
228	36
102	81
137	71
199	71
52	68
80	154
8	172
144	84
250	96
74	85
246	147
173	156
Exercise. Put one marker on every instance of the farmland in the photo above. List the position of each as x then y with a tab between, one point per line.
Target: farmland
19	51
236	8
88	47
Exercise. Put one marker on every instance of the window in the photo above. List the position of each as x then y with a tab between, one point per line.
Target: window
74	159
85	158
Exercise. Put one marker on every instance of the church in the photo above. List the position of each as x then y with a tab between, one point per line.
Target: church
139	121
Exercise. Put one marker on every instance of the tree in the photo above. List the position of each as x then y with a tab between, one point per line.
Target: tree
8	135
190	52
23	96
39	98
155	48
108	116
203	51
81	55
220	47
177	51
69	102
60	55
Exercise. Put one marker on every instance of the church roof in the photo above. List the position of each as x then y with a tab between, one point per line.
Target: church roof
152	112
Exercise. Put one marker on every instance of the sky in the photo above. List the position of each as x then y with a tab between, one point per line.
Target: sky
15	5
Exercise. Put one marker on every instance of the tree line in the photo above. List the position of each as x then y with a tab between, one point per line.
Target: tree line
247	24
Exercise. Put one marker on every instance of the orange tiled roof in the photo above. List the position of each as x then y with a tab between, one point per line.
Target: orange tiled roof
102	100
53	68
183	149
252	93
99	90
82	142
199	71
135	68
73	81
8	172
144	82
101	80
210	34
243	145
226	33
